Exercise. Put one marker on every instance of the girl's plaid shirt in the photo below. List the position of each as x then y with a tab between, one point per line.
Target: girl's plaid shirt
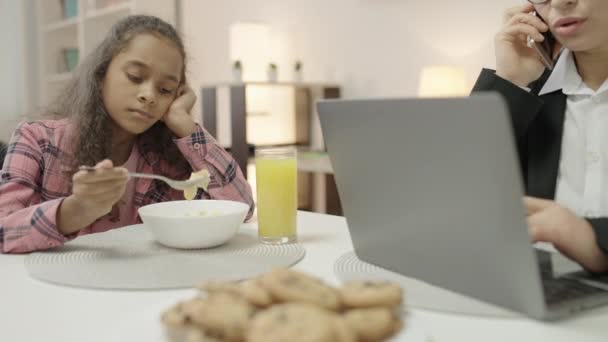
34	182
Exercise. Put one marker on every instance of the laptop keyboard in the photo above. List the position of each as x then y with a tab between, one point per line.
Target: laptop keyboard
561	289
558	290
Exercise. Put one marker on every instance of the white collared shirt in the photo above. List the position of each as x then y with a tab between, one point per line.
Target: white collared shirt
582	180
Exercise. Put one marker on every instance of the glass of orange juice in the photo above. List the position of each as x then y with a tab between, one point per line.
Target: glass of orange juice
277	194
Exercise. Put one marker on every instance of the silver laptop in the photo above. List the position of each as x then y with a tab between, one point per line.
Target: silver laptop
431	189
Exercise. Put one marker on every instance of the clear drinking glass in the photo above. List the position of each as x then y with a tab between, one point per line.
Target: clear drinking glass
277	194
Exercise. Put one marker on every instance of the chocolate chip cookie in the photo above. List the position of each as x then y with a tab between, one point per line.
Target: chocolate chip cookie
287	285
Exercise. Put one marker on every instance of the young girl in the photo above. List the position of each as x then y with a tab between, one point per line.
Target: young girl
560	120
127	109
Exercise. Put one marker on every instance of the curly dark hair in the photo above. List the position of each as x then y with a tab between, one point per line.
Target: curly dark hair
82	100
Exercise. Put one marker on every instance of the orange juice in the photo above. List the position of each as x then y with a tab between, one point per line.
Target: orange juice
276	179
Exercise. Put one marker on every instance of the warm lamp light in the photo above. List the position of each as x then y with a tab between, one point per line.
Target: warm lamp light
443	81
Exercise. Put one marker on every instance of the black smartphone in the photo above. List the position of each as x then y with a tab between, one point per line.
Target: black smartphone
546	48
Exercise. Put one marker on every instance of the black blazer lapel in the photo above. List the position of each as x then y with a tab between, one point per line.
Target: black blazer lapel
544	146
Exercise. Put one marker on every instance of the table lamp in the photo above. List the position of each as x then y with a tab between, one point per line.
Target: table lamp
443	81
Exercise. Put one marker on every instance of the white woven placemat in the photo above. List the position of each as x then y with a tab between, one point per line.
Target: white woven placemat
418	293
129	258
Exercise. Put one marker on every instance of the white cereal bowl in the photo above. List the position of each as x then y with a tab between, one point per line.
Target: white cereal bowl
193	224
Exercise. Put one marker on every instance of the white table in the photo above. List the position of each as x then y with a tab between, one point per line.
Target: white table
34	311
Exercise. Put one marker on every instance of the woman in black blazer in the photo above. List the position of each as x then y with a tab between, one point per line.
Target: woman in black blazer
542	104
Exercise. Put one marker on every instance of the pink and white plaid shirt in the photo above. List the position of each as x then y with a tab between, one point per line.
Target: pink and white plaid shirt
34	182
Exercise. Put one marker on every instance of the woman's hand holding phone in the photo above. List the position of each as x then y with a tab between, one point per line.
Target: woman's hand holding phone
515	61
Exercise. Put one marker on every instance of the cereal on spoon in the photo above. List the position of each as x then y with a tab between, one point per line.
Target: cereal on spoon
203	176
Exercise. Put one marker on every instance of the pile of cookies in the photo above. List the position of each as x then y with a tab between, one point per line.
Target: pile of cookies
286	305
